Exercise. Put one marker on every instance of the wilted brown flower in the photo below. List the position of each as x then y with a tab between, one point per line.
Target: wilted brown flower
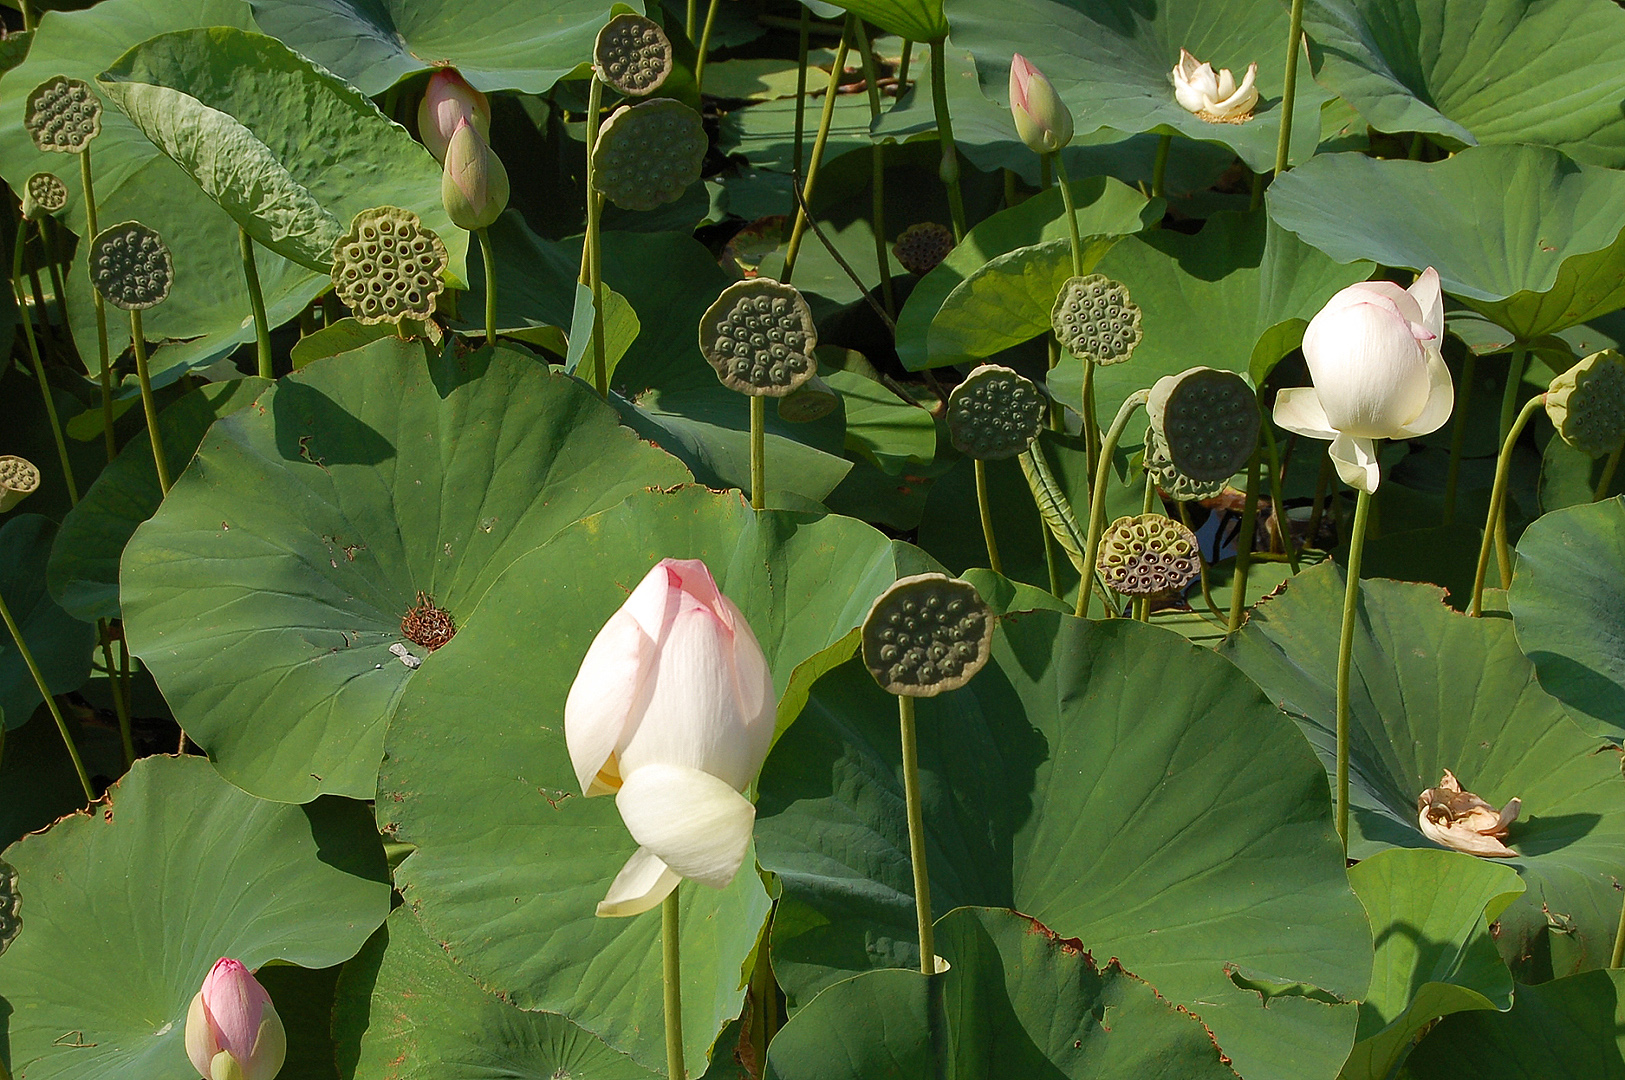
1462	821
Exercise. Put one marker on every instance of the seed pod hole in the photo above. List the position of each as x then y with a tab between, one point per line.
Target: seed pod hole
1207	420
922	247
62	115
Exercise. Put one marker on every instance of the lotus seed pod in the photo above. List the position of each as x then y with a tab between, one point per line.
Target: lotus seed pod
388	266
18	480
921	248
11	906
1094	317
759	337
1207	420
813	401
632	54
648	154
994	413
1169	479
1587	403
63	115
926	634
1148	555
130	265
44	194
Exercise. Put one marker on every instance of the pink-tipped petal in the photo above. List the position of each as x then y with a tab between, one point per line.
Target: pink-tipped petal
1429	297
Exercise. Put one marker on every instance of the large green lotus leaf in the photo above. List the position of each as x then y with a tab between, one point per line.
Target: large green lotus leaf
1569	477
494	44
1112	62
61	645
1432	690
1568	605
1114	782
406	1012
916	20
1106	208
238	111
1545	72
1566	1029
1236	295
510	861
83	571
669	279
1520	234
134	180
881	426
265	593
175	869
1430	915
1020	1002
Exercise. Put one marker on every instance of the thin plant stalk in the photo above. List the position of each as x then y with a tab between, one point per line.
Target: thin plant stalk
902	65
39	364
1294	45
1277	500
1618	957
1065	184
100	304
1509	390
1057	422
491	286
824	120
987	517
1323	482
948	170
29	19
1458	435
704	47
51	238
1159	168
916	834
1503	471
691	18
120	706
148	405
591	255
1608	471
758	452
801	99
1097	499
671	974
877	158
1091	423
256	301
1201	571
47	332
1244	546
1345	659
45	692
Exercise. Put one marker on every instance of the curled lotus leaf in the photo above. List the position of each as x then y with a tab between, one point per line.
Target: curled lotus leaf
759	336
648	154
1173	483
813	400
994	413
926	634
1148	555
43	193
131	266
1207	420
11	906
922	247
632	54
19	478
1587	403
1094	318
62	115
388	266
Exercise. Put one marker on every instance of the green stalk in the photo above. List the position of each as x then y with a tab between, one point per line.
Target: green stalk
1091	423
902	66
1503	471
758	452
1057	422
1608	471
29	20
671	973
256	301
1509	391
148	406
101	311
1065	184
1159	168
1277	501
801	103
1294	39
948	170
1323	481
705	47
491	286
691	18
39	365
120	706
1618	959
824	120
916	834
45	692
51	238
987	517
592	255
1458	435
1097	500
1345	657
1244	546
877	183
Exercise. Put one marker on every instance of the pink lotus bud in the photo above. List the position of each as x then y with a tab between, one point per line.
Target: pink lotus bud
232	1029
1042	119
473	185
447	100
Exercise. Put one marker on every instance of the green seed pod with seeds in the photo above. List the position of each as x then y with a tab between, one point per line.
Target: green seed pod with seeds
1148	555
759	337
388	266
632	54
62	115
1586	403
1207	420
648	154
814	400
1094	318
130	265
43	195
1169	479
19	478
922	247
994	413
927	634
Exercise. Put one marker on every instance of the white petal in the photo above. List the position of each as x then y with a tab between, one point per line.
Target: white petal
1430	300
1463	839
1368	368
610	689
1298	410
1227	84
1356	461
754	684
642	883
654	601
1366	292
697	824
1441	398
1240	100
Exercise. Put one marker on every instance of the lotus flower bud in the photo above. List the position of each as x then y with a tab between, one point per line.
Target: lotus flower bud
672	712
1042	119
473	184
232	1029
1213	95
447	100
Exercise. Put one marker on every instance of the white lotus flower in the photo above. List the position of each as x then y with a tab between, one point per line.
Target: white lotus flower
1214	96
672	711
1373	354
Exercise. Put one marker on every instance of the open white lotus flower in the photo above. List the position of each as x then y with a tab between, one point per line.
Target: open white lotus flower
672	711
1462	821
1213	95
1373	355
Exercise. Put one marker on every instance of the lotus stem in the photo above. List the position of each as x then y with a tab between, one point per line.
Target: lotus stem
1618	957
1057	422
51	238
1503	470
1201	571
256	302
948	170
877	183
46	330
801	101
104	634
1289	91
1091	421
764	995
1244	546
150	407
987	517
916	834
1323	481
1277	500
101	311
691	18
825	118
592	259
1097	497
1345	657
29	19
758	452
671	973
490	259
45	692
1608	471
1159	168
1458	435
1509	391
39	364
705	47
1065	184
